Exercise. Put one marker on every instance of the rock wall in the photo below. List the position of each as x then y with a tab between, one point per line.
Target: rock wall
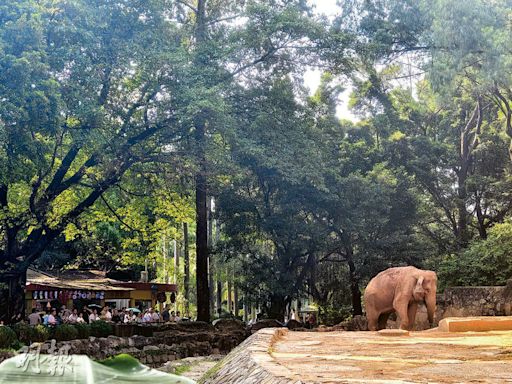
475	301
171	343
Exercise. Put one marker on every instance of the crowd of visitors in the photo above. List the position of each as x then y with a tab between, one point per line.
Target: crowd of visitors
87	315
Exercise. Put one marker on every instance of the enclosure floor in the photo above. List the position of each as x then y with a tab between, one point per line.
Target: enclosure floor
421	357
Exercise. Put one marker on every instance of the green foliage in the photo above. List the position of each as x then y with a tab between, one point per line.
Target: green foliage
8	337
485	262
84	331
64	332
28	334
101	328
24	332
40	333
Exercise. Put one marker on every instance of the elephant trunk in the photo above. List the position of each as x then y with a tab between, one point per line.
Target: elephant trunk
430	301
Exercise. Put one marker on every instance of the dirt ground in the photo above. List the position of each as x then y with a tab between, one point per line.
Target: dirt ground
421	357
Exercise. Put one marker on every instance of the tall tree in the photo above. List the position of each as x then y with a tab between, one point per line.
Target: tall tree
230	40
79	83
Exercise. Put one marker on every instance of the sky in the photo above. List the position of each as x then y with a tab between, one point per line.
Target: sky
312	76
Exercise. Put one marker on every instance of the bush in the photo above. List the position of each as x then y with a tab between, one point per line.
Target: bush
65	332
101	328
484	262
24	332
8	338
40	333
84	330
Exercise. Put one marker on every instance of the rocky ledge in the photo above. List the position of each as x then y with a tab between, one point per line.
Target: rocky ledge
251	362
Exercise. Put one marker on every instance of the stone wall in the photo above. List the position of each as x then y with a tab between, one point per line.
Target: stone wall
173	342
475	301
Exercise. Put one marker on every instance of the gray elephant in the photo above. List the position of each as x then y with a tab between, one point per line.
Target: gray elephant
399	290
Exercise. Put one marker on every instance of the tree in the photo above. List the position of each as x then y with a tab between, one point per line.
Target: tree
79	84
228	41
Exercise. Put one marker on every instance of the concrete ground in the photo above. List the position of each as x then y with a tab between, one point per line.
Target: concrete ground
421	357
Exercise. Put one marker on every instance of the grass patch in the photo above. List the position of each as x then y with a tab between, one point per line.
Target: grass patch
181	369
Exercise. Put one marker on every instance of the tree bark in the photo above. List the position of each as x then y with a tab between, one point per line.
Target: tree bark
219	297
203	292
235	300
355	292
186	262
12	295
277	307
230	290
357	308
211	261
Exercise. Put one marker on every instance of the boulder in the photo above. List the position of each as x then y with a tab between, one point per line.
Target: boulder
294	324
229	325
267	323
357	323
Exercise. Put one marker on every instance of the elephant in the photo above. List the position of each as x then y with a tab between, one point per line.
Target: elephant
400	290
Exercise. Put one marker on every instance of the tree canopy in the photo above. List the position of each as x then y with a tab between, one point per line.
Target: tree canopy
126	126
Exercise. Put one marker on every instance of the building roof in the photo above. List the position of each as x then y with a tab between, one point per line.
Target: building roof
84	280
90	280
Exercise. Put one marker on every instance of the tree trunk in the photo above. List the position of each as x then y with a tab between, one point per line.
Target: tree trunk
277	308
482	230
203	292
357	308
211	261
12	296
235	300
246	309
186	263
230	306
219	297
462	213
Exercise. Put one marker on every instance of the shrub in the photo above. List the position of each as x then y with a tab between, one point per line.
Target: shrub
65	332
84	330
8	338
24	332
101	328
40	333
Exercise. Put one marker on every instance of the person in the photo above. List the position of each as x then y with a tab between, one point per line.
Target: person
178	316
45	317
85	314
34	318
312	320
63	314
172	317
130	317
52	318
80	319
116	317
148	316
72	319
155	317
93	316
106	315
165	314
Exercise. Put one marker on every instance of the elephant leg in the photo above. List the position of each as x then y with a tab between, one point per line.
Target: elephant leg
411	314
402	311
372	318
383	320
